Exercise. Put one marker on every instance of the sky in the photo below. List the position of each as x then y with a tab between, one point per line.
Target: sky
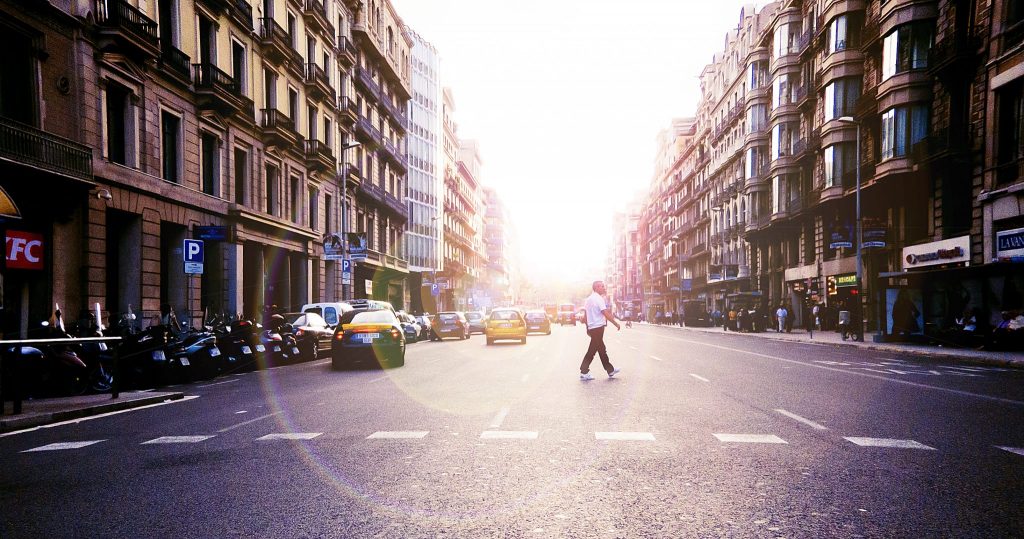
566	99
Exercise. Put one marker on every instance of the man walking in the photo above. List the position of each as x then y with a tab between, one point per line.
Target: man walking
597	316
780	317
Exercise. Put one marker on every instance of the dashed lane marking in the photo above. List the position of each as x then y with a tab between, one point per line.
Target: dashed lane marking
749	438
656	358
385	377
699	377
625	436
803	420
508	435
244	423
242	412
499	418
178	440
1016	450
290	436
220	383
887	442
61	446
398	435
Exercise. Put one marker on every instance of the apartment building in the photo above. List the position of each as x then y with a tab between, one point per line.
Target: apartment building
904	113
426	169
496	287
212	120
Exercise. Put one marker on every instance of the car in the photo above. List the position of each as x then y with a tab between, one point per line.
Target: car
330	311
368	338
450	324
566	314
477	324
506	324
312	333
409	326
537	322
425	324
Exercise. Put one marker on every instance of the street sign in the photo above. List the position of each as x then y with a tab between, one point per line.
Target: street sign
444	282
435	290
346	266
211	233
193	254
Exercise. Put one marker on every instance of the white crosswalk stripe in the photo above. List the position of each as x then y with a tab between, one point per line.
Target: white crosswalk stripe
61	446
398	434
290	436
749	438
887	442
177	440
1016	450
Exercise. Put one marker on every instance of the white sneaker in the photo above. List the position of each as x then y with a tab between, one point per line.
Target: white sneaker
614	372
586	377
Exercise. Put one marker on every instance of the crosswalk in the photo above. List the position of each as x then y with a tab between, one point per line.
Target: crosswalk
723	438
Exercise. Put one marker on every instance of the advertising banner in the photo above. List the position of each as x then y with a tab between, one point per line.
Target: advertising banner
334	248
841	236
357	245
1010	245
951	251
874	231
24	250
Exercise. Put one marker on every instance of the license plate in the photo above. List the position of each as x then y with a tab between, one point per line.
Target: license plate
277	349
214	352
261	348
184	361
369	337
534	327
504	325
246	350
295	349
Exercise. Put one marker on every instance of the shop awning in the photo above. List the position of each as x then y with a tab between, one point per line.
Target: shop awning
8	209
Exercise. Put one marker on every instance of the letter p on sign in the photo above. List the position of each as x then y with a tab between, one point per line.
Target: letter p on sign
193	253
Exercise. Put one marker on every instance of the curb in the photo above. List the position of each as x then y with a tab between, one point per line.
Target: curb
968	360
115	405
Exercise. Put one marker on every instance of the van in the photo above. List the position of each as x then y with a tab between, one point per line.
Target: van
330	311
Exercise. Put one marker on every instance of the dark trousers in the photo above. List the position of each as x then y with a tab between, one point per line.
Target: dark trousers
596	347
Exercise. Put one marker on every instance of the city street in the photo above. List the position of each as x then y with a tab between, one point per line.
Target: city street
701	435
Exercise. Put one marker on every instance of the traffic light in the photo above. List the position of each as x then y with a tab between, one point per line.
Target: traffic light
830	285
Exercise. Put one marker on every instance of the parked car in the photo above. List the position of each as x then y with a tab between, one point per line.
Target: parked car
312	332
566	314
368	338
330	311
410	327
425	326
477	323
506	324
537	322
451	324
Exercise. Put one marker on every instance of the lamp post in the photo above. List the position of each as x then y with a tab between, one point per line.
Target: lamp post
860	234
346	289
438	303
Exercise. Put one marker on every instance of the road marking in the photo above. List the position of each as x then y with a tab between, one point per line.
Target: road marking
701	378
241	412
656	358
805	421
291	436
855	373
749	438
1016	450
625	436
244	423
508	435
887	442
385	377
499	418
108	414
178	440
220	383
397	435
60	446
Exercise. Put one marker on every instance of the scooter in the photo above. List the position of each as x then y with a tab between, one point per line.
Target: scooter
58	368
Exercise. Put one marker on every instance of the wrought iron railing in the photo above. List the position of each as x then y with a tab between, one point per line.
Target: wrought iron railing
275	119
176	60
120	14
209	76
22	143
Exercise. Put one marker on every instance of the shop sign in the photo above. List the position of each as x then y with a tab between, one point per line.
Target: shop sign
1010	245
24	250
210	233
687	285
951	251
846	281
874	231
840	237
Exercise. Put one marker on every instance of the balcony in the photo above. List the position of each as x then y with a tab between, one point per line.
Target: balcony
349	110
953	55
276	44
26	145
756	222
176	63
352	173
364	80
216	6
698	249
216	90
123	28
347	52
396	207
241	12
319	157
805	147
392	154
318	85
942	145
366	132
372	192
397	116
278	130
804	42
315	15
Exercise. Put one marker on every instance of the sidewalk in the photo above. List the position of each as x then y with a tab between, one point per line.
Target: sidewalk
39	412
832	338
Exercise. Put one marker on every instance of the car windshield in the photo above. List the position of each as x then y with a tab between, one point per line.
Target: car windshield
504	315
473	317
448	317
535	316
368	317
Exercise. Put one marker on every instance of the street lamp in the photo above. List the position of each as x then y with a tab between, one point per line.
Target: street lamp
860	233
433	271
346	289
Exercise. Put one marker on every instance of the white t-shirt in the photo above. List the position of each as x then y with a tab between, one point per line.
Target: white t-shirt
594	305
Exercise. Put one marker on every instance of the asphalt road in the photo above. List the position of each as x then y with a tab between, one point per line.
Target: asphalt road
701	435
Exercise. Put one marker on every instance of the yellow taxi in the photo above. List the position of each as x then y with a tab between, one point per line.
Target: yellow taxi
505	324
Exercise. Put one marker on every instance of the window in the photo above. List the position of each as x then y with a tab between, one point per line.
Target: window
170	147
240	71
311	122
273	191
783	137
314	208
293	106
785	38
782	90
758	74
840	165
755	162
757	118
293	31
241	163
328	213
269	89
296	200
907	48
210	164
840	34
327	130
841	97
120	128
1010	131
902	127
1013	28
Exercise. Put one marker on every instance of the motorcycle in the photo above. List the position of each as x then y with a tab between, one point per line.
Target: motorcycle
239	344
58	369
280	343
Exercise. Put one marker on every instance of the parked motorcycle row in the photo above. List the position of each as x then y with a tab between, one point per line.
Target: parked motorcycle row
162	353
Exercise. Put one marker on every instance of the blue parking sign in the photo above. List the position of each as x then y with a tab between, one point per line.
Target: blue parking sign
192	251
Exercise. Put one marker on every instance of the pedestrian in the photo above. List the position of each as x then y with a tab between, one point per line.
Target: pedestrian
816	316
730	324
790	318
596	317
716	317
741	319
658	317
809	319
780	318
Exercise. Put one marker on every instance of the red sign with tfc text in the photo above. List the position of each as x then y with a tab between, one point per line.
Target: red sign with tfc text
24	250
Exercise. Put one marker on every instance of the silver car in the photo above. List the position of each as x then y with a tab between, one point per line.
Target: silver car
477	322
